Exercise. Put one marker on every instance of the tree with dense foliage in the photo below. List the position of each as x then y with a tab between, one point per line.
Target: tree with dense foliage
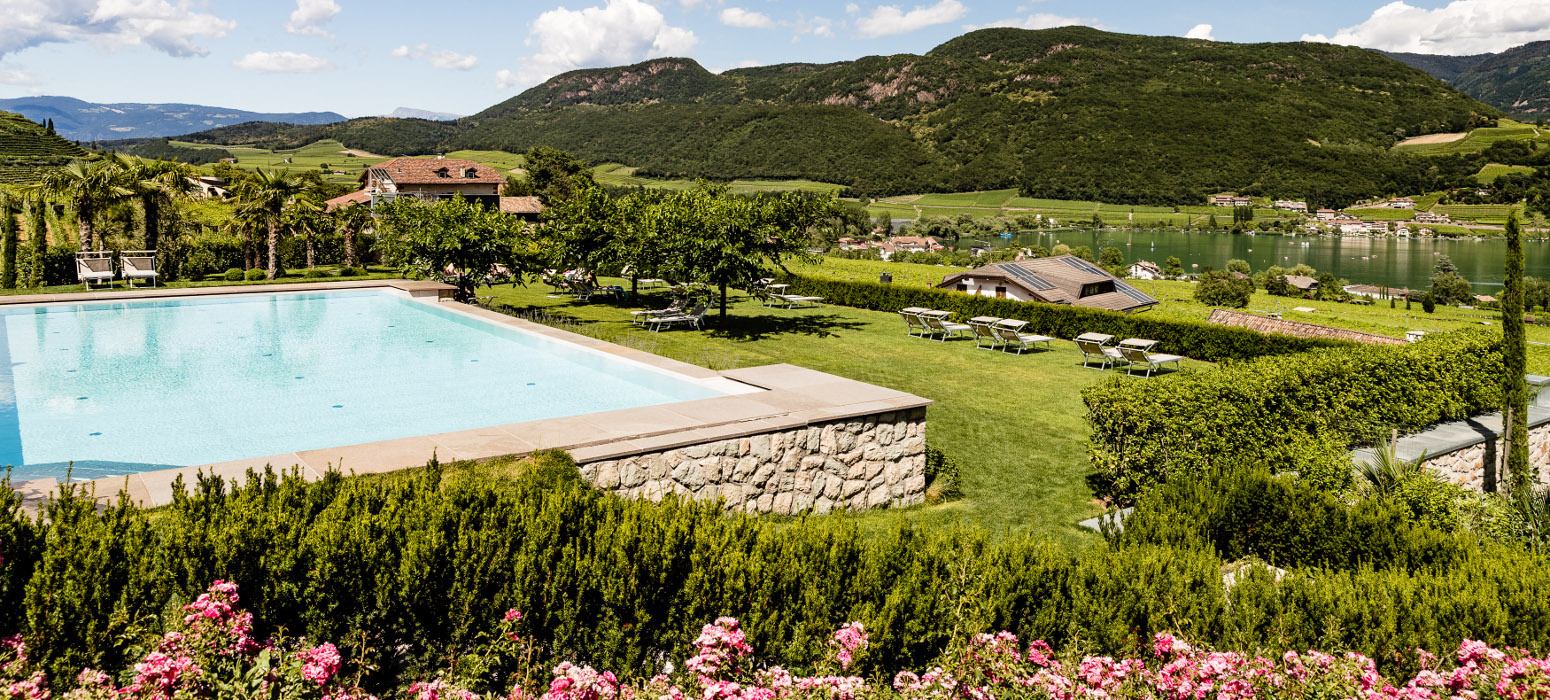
579	231
308	220
36	220
88	187
1239	266
554	175
1450	289
272	192
1515	454
1111	256
8	239
156	184
1221	288
1536	293
1173	267
1428	303
456	236
350	220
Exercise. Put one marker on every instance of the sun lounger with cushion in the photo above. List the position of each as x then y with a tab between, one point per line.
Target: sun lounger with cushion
139	265
639	317
1011	333
692	319
1094	347
1138	352
797	301
912	322
938	323
985	337
93	267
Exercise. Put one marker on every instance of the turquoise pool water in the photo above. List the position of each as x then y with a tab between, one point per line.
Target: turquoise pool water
122	387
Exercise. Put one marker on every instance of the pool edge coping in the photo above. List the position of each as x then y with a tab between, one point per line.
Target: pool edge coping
781	397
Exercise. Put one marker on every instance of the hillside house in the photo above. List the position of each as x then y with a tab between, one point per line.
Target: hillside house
208	187
1303	283
1222	200
431	179
1376	228
1326	214
1145	270
345	200
1063	279
1349	226
1288	205
1427	217
915	244
1401	203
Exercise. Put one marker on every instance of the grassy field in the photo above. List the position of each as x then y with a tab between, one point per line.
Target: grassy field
1478	211
1016	424
1490	171
330	152
1480	139
616	175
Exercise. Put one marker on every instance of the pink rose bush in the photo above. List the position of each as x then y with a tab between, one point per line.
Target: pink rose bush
212	655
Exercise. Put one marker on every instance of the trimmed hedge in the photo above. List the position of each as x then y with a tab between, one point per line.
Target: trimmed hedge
1193	339
416	566
1300	413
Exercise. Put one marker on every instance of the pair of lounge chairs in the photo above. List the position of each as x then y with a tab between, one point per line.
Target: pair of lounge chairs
96	267
642	316
990	332
693	318
769	298
1132	353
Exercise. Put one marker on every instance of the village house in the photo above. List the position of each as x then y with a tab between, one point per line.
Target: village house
1288	205
208	187
1303	282
1349	225
1063	279
1222	200
1375	227
1326	214
1401	203
915	244
1145	270
431	179
1427	217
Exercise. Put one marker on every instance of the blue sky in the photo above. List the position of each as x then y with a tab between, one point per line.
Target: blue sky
360	58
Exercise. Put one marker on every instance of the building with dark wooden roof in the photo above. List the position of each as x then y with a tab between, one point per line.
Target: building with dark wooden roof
1063	279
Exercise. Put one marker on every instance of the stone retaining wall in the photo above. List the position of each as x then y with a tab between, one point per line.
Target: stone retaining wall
856	464
1466	466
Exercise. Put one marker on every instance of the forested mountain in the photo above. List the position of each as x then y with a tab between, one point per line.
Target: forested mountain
91	121
1072	112
28	148
1516	81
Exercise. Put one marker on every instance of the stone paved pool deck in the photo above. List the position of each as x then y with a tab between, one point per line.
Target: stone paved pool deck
760	401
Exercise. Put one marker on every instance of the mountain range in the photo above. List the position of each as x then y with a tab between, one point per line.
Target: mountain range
93	121
412	113
1516	81
1072	112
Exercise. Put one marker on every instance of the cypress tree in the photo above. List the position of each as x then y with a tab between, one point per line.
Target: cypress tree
50	126
37	241
7	242
1514	365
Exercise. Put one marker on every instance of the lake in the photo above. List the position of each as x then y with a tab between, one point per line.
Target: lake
1390	262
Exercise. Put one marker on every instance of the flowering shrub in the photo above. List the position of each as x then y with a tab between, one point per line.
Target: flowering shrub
213	655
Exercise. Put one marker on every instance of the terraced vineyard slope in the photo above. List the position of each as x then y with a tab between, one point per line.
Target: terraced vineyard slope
27	149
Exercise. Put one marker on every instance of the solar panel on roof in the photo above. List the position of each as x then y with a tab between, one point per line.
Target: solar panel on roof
1119	286
1023	275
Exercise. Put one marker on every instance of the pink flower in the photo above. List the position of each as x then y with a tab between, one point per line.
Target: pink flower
850	637
511	616
439	690
573	682
718	648
320	663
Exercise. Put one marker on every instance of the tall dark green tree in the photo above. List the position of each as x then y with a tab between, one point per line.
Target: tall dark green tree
37	240
7	241
1514	365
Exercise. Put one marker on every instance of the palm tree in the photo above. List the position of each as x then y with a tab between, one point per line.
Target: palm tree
306	218
246	220
1384	476
155	183
272	192
352	219
88	187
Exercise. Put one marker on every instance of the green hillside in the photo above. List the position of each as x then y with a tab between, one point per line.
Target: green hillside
27	149
1068	113
1516	81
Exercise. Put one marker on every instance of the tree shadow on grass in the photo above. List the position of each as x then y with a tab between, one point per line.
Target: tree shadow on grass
745	328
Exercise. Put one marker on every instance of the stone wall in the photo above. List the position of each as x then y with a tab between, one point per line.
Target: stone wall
1466	466
857	464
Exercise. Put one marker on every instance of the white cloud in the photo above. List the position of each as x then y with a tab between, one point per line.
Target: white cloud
619	32
748	19
309	14
1460	27
161	25
821	27
1037	20
16	76
1200	31
888	20
445	60
282	62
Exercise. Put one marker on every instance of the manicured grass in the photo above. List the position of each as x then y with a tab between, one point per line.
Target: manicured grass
1016	424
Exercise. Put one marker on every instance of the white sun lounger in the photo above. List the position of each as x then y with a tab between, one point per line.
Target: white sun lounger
1138	352
938	323
139	265
1011	332
984	332
1094	347
94	267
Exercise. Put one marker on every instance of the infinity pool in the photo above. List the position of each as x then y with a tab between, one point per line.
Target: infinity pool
121	387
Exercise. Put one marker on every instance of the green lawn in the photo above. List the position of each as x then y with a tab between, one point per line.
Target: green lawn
1016	424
